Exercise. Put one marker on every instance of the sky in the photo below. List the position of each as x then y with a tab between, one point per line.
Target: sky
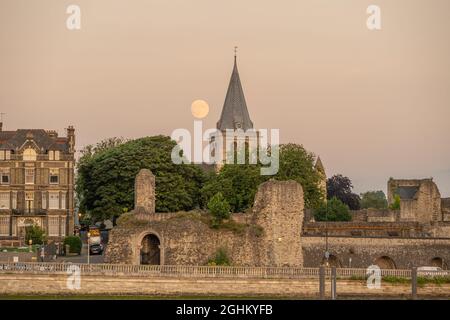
373	104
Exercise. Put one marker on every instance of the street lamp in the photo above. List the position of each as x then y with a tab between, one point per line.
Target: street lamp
88	246
30	243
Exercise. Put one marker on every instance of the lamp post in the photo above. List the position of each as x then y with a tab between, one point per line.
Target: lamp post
88	246
327	253
30	243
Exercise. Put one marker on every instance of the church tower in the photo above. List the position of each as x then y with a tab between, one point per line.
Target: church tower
234	116
323	177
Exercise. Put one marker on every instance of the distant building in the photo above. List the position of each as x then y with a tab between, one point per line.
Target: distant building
37	182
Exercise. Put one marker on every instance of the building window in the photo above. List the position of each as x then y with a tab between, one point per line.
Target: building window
54	176
44	200
5	155
4	200
29	202
4	226
29	155
5	176
63	201
29	176
14	200
53	226
53	200
53	155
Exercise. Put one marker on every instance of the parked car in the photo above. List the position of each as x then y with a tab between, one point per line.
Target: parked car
96	248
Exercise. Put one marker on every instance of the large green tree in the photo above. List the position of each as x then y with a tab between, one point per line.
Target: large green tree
239	182
373	199
106	174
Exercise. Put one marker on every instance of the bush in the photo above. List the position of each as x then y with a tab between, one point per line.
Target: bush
220	258
333	210
34	233
74	243
219	208
396	204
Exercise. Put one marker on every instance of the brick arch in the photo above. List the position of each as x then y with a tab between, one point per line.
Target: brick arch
385	262
438	262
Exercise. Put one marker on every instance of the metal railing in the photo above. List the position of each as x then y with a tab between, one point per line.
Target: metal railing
197	271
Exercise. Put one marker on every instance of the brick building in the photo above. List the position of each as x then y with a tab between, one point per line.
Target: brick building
36	183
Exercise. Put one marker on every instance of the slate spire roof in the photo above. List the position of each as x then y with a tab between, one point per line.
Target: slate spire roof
234	113
319	166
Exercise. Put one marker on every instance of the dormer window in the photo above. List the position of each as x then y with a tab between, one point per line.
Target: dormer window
53	155
29	155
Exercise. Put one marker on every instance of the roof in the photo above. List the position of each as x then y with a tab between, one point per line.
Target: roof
14	140
319	166
407	193
234	112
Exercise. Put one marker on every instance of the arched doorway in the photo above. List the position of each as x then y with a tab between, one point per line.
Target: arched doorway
333	261
385	262
438	262
150	250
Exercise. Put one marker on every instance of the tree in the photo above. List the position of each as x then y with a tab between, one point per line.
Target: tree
219	208
298	164
333	210
35	234
341	187
374	199
106	175
239	182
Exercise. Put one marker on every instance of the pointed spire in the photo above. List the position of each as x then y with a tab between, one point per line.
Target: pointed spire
235	113
319	166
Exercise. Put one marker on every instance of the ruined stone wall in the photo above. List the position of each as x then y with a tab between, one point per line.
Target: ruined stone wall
271	238
406	253
445	207
424	207
184	241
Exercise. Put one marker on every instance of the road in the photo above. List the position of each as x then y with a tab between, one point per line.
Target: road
83	257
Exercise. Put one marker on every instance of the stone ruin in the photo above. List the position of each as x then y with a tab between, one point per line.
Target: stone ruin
270	234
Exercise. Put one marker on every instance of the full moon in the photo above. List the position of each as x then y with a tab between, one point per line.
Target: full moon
199	109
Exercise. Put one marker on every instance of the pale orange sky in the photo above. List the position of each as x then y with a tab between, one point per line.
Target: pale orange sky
372	104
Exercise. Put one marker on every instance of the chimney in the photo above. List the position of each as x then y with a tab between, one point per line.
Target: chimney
71	138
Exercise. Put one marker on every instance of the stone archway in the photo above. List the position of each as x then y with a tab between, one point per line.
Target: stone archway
150	250
438	262
385	262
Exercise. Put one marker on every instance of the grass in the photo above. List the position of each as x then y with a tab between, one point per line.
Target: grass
19	249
